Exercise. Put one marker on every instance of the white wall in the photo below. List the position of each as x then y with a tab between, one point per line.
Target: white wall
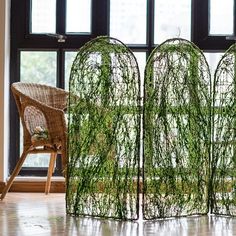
4	86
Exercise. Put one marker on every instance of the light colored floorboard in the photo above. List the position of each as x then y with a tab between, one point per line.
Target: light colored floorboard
23	214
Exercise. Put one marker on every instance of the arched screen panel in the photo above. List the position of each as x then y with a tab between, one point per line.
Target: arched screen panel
176	131
104	131
224	136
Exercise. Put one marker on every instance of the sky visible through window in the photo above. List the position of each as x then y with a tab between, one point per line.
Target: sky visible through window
221	17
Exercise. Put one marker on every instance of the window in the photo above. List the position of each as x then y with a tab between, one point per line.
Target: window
128	21
43	16
172	19
46	35
213	24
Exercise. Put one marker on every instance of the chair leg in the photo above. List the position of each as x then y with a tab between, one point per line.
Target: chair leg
14	174
50	171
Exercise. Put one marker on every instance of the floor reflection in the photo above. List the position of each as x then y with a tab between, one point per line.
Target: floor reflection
98	227
36	214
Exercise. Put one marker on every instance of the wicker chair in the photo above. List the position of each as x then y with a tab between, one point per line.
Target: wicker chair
41	109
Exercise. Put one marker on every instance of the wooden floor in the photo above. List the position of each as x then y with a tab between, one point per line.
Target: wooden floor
37	214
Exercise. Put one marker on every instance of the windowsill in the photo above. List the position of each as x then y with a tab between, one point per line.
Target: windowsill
38	179
36	184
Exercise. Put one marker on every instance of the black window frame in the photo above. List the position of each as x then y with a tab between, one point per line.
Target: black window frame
22	39
200	29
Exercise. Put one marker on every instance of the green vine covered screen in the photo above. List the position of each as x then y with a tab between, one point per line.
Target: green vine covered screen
185	124
104	131
223	174
176	131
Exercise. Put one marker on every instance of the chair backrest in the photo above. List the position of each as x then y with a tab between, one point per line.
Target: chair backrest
51	96
41	109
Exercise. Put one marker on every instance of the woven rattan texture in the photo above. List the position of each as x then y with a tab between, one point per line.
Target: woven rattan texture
42	106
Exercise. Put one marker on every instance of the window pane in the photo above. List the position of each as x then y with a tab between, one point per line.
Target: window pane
37	160
43	16
172	19
33	160
69	58
128	21
221	17
141	59
213	59
78	16
37	67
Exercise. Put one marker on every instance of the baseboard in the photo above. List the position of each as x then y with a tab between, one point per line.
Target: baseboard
35	186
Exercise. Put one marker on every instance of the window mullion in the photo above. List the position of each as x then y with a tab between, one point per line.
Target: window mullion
61	17
150	25
234	17
61	68
100	10
200	22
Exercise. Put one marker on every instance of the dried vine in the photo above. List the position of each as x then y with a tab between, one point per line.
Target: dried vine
224	135
104	131
176	131
189	134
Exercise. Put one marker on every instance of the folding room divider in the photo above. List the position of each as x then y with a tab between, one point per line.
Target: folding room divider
177	131
172	152
223	163
104	131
